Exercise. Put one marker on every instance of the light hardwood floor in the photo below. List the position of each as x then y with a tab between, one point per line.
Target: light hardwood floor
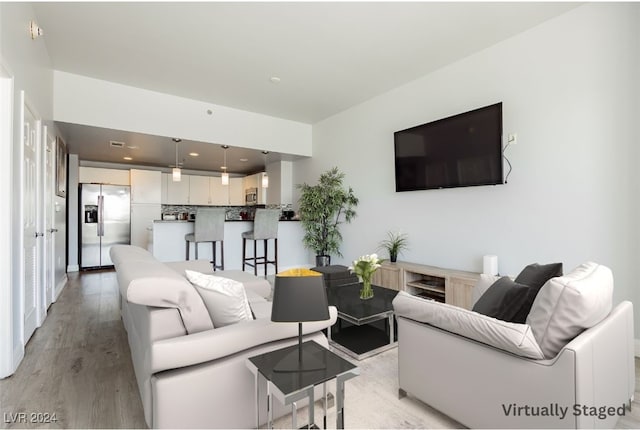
78	366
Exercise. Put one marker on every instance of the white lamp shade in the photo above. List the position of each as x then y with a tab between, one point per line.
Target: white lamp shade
225	178
177	174
265	181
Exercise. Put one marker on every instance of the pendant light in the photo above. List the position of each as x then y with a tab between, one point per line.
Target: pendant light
176	172
225	176
265	178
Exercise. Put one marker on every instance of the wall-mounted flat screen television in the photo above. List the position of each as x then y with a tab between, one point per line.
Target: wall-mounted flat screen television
459	151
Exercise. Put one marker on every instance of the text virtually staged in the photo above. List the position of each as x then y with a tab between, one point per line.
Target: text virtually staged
558	410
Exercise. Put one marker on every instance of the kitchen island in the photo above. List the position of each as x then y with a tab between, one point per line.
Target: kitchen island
168	244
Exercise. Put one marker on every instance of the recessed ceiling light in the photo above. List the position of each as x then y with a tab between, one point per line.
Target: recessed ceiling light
132	146
176	140
275	80
127	158
194	154
244	160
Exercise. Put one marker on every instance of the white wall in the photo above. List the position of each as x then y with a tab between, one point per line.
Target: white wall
88	101
569	88
28	62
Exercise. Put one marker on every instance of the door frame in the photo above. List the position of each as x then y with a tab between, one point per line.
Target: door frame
10	352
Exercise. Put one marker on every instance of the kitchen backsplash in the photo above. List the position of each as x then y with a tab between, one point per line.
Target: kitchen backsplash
233	212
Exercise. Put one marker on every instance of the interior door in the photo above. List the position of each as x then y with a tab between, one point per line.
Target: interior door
49	246
30	137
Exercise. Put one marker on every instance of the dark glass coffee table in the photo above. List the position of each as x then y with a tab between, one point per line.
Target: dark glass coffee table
369	327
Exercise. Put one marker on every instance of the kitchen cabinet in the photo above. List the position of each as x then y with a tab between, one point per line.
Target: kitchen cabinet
227	195
142	217
177	193
202	191
250	181
262	192
236	192
199	190
145	186
255	181
98	175
219	192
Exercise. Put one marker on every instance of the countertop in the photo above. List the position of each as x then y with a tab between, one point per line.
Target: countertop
229	220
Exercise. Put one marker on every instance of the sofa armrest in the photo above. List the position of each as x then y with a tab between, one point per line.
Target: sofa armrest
605	365
221	342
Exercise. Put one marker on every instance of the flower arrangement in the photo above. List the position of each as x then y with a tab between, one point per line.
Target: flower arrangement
364	267
395	243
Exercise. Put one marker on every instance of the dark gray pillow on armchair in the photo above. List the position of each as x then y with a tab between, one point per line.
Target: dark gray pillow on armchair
534	276
502	300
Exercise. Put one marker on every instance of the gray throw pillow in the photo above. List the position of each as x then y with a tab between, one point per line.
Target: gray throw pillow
534	276
502	300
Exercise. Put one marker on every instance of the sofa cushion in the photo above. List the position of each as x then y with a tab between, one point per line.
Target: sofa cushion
202	266
569	304
146	281
534	276
502	300
124	253
225	299
515	338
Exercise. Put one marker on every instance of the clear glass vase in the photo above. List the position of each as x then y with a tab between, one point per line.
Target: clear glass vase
366	292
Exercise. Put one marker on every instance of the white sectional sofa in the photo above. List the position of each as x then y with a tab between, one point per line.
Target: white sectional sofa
191	375
482	372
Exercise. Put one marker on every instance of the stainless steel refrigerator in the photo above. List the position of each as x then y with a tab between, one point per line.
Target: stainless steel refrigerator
104	222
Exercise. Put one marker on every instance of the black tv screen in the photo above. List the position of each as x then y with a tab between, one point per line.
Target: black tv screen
459	151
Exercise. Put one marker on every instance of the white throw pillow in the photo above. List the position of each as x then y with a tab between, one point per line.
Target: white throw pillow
225	299
515	338
569	304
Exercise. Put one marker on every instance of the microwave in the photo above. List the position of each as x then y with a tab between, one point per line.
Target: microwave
251	196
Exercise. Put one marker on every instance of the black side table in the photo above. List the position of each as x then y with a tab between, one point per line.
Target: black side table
290	387
336	275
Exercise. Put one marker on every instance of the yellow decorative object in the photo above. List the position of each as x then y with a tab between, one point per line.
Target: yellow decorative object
299	272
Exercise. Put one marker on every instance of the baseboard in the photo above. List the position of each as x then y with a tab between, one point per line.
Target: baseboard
60	287
74	268
18	355
636	349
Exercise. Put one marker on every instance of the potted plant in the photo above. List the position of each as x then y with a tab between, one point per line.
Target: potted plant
395	243
323	207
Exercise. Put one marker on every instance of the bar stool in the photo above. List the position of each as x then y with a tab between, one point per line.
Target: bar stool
265	227
209	227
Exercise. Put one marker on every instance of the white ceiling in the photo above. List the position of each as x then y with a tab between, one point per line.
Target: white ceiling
329	56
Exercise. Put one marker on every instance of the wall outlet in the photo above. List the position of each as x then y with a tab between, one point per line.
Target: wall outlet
512	138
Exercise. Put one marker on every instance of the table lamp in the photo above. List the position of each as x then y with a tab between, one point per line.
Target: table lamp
299	295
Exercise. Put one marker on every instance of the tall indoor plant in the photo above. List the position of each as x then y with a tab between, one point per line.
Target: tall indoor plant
323	207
